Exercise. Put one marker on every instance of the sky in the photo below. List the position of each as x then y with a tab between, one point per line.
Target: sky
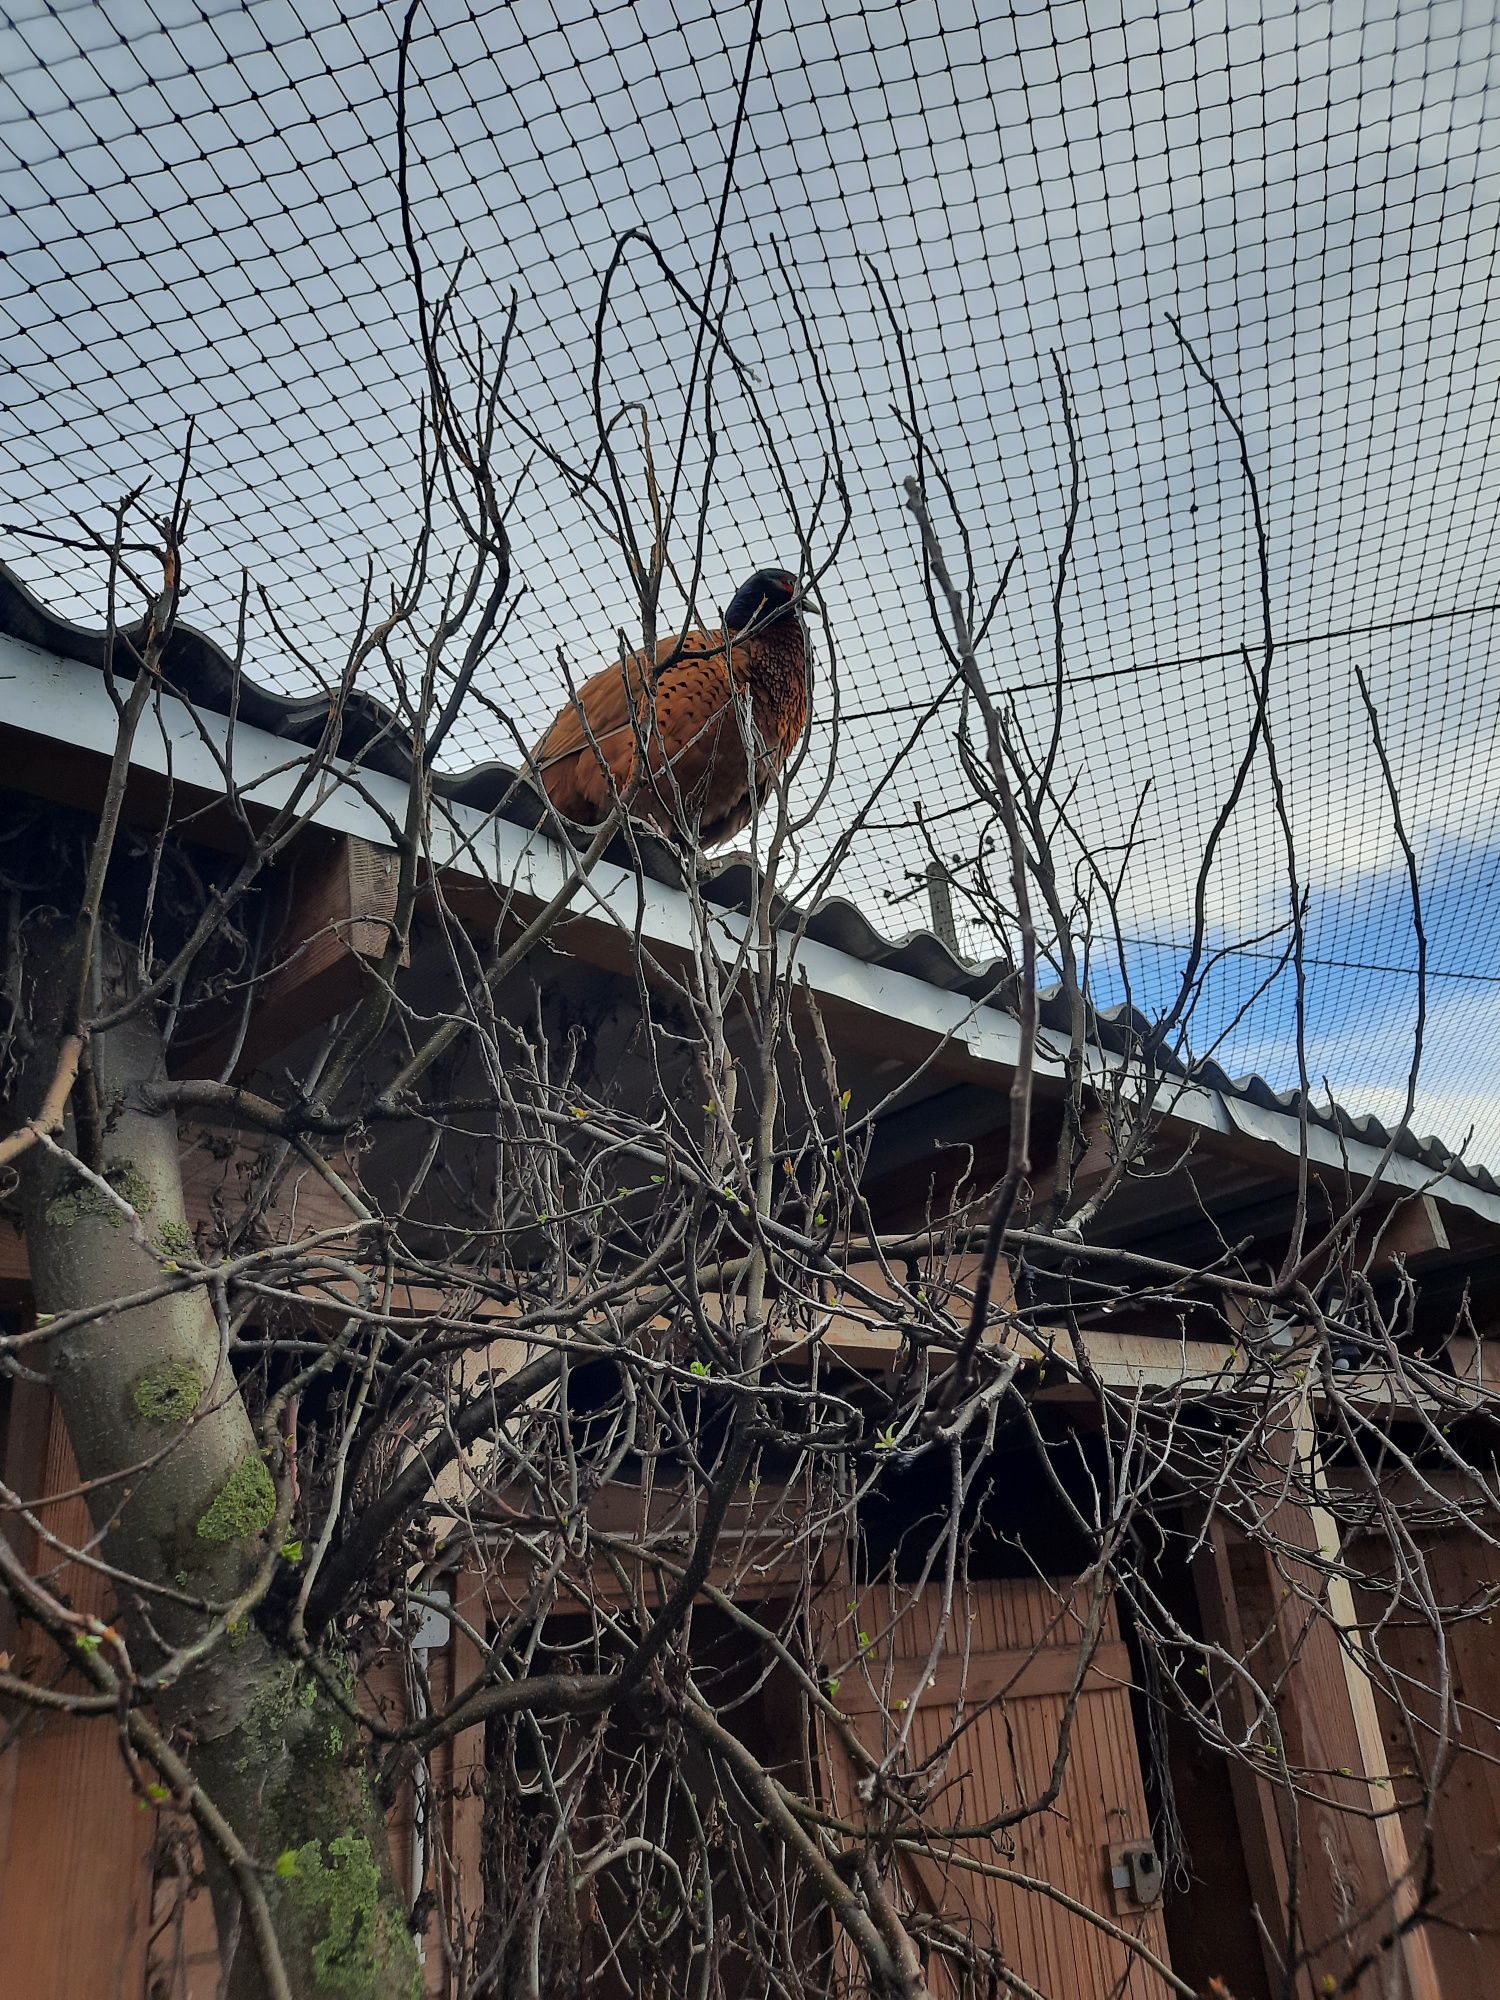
199	221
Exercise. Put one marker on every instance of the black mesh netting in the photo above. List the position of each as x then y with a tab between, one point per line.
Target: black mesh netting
201	221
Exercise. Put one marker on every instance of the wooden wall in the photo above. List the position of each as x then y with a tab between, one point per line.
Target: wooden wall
1330	1845
1463	1576
78	1918
101	1891
1011	1655
74	1845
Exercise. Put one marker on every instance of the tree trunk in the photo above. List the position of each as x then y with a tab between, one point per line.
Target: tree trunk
269	1747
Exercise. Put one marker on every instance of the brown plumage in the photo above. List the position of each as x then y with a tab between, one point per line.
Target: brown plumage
669	736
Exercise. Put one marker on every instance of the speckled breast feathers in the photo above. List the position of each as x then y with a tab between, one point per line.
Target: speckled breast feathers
691	740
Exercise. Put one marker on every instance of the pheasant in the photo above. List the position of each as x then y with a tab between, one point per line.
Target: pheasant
669	736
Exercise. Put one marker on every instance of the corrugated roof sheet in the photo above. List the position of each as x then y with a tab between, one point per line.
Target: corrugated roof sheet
199	669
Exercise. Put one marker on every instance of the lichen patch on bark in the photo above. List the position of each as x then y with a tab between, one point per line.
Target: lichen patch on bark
343	1894
167	1395
243	1505
82	1200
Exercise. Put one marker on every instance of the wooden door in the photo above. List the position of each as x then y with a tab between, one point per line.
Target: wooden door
985	1736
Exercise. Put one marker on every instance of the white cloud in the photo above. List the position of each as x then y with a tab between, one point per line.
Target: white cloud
204	223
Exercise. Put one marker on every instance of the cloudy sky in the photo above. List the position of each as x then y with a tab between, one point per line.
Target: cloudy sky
200	221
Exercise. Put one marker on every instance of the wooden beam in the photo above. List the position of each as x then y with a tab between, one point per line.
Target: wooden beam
1411	1230
1003	1674
1255	1809
218	1172
767	1560
1171	1218
860	1336
1471	1366
1416	1946
460	1876
957	1116
1273	1604
336	929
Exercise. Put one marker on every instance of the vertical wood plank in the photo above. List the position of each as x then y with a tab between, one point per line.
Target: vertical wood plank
1254	1804
1289	1635
74	1879
1004	1757
466	1795
1416	1946
1461	1572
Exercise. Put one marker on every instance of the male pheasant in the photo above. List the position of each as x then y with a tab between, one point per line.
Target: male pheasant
669	735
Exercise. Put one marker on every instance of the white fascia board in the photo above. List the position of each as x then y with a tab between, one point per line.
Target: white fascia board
64	700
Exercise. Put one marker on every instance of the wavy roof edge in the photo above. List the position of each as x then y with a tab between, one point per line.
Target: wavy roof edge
200	670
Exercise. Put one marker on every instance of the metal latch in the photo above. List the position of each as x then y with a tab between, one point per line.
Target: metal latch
1134	1875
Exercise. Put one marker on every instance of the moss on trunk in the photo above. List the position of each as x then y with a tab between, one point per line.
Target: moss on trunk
269	1745
244	1506
296	1770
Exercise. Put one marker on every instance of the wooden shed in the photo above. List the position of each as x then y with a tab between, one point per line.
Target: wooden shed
1144	1839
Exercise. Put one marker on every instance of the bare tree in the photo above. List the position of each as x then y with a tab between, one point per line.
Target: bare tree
531	1287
